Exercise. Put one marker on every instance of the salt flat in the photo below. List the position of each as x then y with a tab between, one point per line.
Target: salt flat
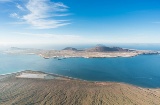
31	75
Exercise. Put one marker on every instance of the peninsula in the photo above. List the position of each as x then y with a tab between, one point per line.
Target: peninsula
98	51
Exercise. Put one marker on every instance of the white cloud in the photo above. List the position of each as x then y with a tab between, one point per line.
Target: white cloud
49	38
47	35
44	38
14	15
41	14
20	7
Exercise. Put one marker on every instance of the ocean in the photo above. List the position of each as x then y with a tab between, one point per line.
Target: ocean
142	70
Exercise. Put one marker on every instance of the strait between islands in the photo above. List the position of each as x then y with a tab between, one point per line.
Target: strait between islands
39	88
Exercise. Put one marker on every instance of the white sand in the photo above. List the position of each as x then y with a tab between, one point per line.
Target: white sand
30	75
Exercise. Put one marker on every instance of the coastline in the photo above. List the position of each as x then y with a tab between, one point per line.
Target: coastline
63	54
59	91
99	63
83	54
98	51
78	79
17	74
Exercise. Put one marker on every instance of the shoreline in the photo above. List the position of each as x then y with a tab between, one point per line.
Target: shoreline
70	78
96	52
58	91
64	57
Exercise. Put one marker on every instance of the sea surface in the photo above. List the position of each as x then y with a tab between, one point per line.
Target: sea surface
143	70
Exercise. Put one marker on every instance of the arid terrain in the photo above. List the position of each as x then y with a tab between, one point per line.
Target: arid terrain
50	89
95	52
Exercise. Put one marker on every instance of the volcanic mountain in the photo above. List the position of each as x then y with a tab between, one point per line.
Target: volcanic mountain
70	48
102	48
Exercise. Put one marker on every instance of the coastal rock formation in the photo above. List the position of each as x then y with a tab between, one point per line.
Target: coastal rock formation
29	91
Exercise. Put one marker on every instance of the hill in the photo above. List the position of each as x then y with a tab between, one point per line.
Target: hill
70	48
29	91
102	48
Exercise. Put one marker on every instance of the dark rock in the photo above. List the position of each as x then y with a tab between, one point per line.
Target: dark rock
70	48
102	48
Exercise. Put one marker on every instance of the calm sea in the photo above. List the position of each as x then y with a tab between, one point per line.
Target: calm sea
143	70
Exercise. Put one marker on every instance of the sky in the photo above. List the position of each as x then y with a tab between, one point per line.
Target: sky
79	21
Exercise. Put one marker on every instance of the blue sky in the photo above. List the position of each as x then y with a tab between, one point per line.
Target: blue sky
79	21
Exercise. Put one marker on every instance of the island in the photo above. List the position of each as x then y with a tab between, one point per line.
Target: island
39	88
99	51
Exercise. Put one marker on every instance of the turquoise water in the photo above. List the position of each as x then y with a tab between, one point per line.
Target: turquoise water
141	70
